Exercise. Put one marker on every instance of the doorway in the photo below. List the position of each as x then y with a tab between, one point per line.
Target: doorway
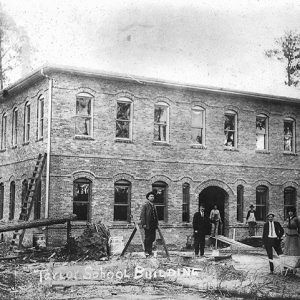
214	195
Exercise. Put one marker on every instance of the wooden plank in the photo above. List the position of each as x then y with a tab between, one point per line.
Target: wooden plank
128	243
140	235
164	242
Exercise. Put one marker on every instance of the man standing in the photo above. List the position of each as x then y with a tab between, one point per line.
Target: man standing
272	234
149	222
251	220
201	228
215	219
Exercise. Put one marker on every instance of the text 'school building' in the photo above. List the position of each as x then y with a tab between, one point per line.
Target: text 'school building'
110	139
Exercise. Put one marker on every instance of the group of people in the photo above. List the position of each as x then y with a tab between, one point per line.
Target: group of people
272	236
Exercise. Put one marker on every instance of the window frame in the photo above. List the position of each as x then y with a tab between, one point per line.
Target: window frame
186	199
240	203
27	117
162	186
198	108
235	133
262	209
4	132
266	135
14	127
12	200
40	117
293	143
1	200
294	200
130	121
123	183
83	180
90	116
167	125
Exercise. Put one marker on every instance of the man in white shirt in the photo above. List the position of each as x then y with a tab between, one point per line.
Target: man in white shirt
272	234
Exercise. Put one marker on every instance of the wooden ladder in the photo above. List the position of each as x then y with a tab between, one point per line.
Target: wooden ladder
27	203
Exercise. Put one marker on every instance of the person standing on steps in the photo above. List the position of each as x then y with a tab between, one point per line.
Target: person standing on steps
149	221
272	234
201	228
215	219
251	220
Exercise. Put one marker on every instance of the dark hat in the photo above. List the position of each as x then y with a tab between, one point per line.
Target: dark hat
270	213
251	206
292	209
150	193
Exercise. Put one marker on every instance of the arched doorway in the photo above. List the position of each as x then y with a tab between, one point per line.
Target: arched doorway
214	195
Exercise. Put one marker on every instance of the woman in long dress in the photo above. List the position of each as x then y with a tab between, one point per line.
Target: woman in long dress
292	241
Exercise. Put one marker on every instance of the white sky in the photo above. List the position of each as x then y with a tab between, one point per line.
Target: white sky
219	43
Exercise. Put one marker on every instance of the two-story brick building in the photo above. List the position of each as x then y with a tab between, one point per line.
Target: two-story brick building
111	138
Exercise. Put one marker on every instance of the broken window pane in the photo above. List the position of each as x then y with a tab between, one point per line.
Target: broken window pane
261	133
83	106
288	136
83	126
122	129
123	120
160	123
197	135
123	111
160	132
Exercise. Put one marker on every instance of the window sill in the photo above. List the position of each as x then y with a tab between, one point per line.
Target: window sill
83	137
290	153
262	151
156	143
123	141
233	149
198	147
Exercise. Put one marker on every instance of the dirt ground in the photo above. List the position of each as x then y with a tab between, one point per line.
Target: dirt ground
228	276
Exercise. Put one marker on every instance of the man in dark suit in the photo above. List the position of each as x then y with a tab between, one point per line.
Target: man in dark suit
272	234
149	221
201	228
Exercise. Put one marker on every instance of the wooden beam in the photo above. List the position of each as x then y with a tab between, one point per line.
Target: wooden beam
37	223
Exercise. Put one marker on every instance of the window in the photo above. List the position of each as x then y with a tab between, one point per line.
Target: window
198	118
230	126
160	199
14	127
262	194
26	122
1	200
3	132
24	190
124	119
84	114
240	203
289	135
11	214
81	198
186	202
161	122
122	201
37	201
261	132
289	199
40	118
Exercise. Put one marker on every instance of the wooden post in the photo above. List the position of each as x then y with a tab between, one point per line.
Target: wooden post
164	242
69	235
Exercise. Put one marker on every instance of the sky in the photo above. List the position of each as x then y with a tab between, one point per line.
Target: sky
216	43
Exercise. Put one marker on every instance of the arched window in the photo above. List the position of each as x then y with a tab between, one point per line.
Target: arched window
185	202
289	199
122	201
11	214
161	122
262	197
26	122
262	132
230	129
40	117
14	127
198	125
1	200
240	203
4	132
82	198
24	190
84	115
289	139
124	119
160	190
37	200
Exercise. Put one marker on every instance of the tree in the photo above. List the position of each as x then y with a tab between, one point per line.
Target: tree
288	50
14	46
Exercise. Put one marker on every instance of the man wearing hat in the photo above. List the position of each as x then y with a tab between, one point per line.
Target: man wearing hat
272	234
149	221
251	220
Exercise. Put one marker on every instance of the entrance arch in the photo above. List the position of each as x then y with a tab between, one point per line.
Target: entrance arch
215	195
